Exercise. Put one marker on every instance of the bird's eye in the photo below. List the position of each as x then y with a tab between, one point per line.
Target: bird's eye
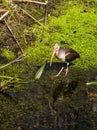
56	48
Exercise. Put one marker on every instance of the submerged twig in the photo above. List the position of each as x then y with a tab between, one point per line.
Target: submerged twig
53	112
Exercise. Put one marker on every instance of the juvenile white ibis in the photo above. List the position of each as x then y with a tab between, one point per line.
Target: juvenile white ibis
65	54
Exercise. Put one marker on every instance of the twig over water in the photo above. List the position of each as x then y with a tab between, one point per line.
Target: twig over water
13	61
4	15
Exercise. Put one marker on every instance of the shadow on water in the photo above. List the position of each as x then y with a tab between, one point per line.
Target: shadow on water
65	89
69	97
56	66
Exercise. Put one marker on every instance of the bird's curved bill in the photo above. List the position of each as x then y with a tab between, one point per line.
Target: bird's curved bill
52	57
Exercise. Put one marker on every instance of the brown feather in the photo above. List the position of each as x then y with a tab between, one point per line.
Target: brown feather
70	57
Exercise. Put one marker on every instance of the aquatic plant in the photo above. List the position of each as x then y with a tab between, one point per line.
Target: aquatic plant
9	82
92	83
39	72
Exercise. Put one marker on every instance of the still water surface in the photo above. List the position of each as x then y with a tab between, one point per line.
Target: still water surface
51	103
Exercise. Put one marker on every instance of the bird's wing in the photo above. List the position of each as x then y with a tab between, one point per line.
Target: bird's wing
72	54
71	57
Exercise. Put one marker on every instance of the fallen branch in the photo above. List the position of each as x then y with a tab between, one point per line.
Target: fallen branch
14	37
16	60
45	21
36	2
17	42
2	10
4	15
31	17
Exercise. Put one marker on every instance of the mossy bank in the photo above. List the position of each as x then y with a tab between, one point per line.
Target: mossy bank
75	26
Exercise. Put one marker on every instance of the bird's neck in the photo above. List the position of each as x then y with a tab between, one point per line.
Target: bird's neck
57	51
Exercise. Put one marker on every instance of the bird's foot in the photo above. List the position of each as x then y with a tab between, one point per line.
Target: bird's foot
59	72
57	75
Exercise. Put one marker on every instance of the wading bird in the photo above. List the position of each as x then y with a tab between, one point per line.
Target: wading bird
65	54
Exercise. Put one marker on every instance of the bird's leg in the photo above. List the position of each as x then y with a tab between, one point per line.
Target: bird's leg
59	72
66	69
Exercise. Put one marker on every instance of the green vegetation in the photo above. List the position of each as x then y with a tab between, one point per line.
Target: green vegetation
77	26
7	54
39	72
71	22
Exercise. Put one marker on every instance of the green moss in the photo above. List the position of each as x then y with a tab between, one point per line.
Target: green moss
8	54
77	28
38	55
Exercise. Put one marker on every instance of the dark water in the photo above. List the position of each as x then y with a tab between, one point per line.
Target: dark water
51	103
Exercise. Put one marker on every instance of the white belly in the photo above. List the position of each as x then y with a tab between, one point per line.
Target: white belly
61	56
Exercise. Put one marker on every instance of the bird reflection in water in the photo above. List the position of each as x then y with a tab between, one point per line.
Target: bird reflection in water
64	89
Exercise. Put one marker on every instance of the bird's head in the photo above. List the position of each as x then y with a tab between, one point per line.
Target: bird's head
56	48
55	51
